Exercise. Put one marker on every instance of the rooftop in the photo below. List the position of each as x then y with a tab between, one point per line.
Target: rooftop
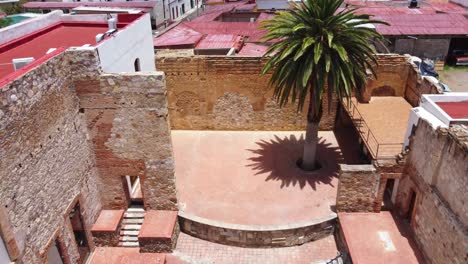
36	44
378	238
59	35
51	5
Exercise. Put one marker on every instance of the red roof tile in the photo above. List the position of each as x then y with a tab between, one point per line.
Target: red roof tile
180	36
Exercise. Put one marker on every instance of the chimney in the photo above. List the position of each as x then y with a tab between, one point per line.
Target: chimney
112	22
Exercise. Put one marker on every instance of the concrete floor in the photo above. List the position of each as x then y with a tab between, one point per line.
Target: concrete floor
194	250
456	79
251	177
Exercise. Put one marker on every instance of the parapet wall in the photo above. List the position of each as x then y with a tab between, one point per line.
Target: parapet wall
46	162
439	181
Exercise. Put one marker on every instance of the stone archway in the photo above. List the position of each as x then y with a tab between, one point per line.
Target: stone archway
384	90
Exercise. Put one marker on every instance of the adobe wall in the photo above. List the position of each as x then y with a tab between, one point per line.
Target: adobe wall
418	85
46	162
439	180
127	119
227	93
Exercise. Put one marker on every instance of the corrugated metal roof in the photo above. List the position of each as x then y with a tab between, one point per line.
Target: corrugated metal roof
46	5
217	41
426	24
252	49
180	36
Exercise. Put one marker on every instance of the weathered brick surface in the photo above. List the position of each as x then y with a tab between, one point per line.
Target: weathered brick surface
127	119
417	85
227	93
436	170
357	188
46	162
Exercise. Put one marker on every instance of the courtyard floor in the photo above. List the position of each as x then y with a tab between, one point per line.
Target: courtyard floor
194	250
251	177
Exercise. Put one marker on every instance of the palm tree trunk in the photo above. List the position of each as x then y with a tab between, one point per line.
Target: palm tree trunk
314	114
310	146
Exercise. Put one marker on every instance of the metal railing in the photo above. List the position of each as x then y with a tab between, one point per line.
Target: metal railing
376	149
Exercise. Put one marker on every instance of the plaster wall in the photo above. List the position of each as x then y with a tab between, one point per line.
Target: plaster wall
119	52
433	48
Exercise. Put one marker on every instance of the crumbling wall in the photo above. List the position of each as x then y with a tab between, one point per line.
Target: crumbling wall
418	85
127	119
436	169
228	93
357	188
46	162
392	75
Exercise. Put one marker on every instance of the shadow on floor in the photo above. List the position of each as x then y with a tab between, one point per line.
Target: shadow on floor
277	158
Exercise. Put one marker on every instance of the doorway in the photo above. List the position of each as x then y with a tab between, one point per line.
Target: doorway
412	204
54	254
134	190
388	193
79	232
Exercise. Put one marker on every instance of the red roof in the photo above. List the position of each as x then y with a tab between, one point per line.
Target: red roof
252	49
456	110
180	36
427	24
69	5
247	29
217	41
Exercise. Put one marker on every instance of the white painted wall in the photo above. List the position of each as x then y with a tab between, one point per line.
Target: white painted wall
28	26
118	52
460	2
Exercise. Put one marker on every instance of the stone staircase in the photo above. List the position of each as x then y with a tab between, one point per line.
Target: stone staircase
131	225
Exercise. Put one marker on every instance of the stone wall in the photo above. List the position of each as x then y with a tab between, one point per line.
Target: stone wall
227	93
440	216
434	48
127	118
392	76
46	162
257	236
418	85
357	189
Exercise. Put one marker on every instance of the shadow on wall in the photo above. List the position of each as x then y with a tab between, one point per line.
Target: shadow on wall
277	158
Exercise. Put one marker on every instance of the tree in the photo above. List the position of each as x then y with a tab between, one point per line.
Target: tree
5	22
318	51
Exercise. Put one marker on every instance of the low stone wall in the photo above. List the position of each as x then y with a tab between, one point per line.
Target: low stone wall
257	236
418	85
357	189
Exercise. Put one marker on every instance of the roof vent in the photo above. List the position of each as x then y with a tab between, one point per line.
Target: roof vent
21	62
413	4
112	23
99	37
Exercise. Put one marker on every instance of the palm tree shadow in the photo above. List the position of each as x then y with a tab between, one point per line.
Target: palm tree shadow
277	158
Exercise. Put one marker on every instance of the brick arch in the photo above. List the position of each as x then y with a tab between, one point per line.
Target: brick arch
384	90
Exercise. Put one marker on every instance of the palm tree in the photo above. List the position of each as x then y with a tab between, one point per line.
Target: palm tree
318	51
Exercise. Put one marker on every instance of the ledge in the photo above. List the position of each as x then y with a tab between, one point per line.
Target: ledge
108	221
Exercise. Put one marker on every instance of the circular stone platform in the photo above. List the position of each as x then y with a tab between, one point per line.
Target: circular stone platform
244	188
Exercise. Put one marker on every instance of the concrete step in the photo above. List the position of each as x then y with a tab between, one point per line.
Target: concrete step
128	244
135	209
134	215
128	239
132	221
131	227
129	232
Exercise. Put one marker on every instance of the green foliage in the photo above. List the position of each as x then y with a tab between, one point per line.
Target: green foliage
315	46
4	22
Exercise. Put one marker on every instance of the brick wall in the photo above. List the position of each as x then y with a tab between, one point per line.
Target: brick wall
417	85
227	93
46	162
126	115
439	180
